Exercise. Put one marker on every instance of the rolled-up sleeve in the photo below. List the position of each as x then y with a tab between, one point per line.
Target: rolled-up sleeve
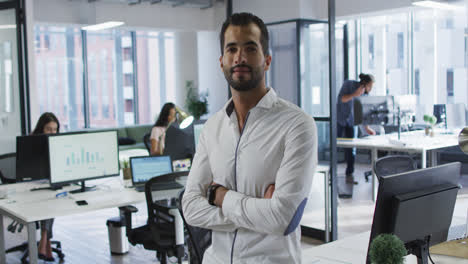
281	214
197	211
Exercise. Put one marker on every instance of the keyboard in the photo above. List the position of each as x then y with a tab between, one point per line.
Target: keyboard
160	186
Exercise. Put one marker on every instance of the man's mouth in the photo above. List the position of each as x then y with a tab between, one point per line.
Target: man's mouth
241	69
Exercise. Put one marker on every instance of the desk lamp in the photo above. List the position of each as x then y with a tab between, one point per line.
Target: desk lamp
183	119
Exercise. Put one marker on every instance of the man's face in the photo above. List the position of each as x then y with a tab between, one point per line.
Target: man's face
243	61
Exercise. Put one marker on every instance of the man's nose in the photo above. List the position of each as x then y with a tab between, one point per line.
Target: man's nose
239	57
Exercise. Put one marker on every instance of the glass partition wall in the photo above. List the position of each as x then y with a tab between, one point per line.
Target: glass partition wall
299	73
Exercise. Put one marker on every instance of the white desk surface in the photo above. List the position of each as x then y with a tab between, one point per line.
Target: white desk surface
353	250
30	206
409	141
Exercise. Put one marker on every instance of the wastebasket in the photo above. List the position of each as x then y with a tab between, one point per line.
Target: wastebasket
118	242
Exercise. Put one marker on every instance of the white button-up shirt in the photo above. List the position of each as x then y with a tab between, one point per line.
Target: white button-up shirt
278	145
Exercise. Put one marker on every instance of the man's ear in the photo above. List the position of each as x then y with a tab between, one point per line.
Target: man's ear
267	62
221	61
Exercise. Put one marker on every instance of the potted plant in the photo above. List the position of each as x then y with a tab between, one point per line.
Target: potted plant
387	249
197	105
431	120
127	173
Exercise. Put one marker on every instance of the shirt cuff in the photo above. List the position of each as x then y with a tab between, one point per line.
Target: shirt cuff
232	200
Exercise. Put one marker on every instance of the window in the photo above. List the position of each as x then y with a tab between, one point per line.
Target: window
450	86
437	53
46	41
466	51
110	74
416	82
401	49
156	73
371	51
59	76
106	79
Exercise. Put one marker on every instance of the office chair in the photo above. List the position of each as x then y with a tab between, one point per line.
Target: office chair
8	168
147	141
164	229
393	164
8	175
199	238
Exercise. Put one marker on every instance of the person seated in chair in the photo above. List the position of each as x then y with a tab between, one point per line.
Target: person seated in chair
158	132
47	124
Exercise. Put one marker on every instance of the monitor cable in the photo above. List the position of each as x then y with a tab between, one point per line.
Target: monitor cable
428	251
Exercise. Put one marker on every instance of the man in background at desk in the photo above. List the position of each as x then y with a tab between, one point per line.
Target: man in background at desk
345	118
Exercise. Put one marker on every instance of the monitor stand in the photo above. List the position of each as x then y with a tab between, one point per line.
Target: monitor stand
83	188
420	249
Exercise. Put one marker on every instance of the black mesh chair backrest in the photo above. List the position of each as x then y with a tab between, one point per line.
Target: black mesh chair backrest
160	222
8	168
147	141
393	164
199	238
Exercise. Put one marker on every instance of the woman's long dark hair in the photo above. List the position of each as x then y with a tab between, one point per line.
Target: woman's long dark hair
366	78
43	121
163	119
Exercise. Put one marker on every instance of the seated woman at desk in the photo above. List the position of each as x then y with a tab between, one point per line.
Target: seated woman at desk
158	133
47	124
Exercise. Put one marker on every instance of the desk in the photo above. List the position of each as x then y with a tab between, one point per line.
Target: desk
410	142
26	207
353	250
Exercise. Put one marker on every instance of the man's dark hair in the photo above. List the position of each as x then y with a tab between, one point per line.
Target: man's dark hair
244	19
366	78
163	119
45	118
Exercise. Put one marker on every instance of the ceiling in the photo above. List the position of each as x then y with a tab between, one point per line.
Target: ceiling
202	4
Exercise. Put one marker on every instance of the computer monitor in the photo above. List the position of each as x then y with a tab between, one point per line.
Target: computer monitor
197	128
32	158
77	157
146	167
417	206
406	106
178	143
440	113
373	110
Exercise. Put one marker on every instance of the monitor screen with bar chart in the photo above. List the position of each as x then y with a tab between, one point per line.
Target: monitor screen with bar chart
76	157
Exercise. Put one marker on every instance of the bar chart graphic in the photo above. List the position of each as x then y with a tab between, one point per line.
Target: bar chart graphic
84	158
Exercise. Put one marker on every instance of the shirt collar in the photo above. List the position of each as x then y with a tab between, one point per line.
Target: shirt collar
267	102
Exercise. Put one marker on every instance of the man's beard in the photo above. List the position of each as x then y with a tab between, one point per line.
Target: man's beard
243	85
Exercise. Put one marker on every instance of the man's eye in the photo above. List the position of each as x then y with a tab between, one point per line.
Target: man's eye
231	50
251	49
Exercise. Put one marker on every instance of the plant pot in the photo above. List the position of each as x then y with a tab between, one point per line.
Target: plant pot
127	173
429	131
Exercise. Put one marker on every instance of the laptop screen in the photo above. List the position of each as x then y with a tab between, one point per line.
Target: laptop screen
147	167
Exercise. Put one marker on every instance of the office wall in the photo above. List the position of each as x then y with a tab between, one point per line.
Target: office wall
210	76
186	63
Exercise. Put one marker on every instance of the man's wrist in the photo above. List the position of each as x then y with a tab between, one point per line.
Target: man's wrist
219	196
211	193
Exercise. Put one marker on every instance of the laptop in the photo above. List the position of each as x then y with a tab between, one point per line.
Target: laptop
146	167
